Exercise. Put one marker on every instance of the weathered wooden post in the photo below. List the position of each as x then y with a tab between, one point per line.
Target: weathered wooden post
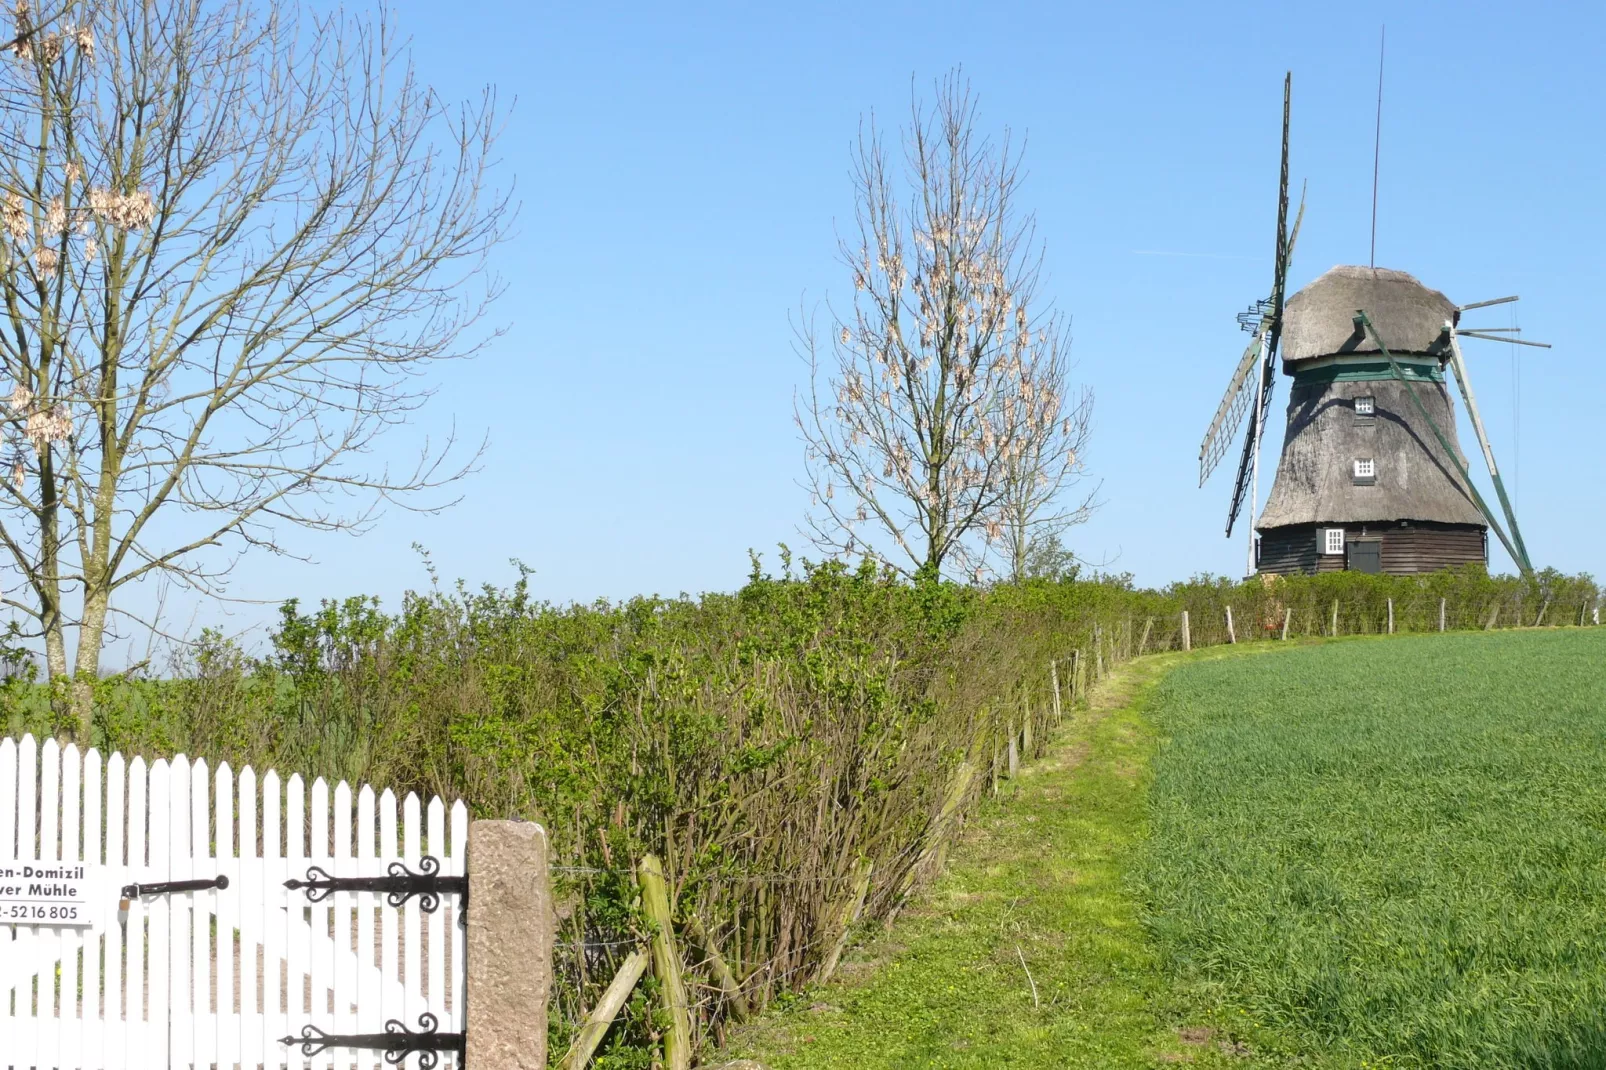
1335	618
1148	626
1494	615
1232	636
1013	752
666	963
1441	614
845	915
1540	620
602	1015
1054	677
509	946
1187	639
1288	617
1391	616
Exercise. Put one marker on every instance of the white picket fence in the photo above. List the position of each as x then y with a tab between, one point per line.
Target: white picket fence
215	978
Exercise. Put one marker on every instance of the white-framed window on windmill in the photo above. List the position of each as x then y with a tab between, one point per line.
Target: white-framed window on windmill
1332	541
1365	407
1365	471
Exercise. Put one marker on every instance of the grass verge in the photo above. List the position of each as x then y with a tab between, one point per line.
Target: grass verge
1029	951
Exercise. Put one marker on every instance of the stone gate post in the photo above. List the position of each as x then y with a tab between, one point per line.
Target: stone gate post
509	946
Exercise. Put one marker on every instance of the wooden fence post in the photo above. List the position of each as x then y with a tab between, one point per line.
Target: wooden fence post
1187	640
1391	616
1148	625
1441	614
1014	753
666	963
606	1010
936	835
1288	616
1334	632
1494	615
846	914
1540	620
1054	677
1232	636
509	946
1098	653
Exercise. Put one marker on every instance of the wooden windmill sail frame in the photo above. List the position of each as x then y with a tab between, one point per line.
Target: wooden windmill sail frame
1513	542
1247	392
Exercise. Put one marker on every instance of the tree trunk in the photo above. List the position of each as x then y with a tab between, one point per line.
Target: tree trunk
91	634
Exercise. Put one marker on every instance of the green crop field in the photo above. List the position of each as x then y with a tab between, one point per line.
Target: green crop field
1391	850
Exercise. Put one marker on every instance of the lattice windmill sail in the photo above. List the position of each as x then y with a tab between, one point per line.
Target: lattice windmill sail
1250	388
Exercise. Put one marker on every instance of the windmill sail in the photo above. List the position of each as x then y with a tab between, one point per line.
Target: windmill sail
1274	326
1230	413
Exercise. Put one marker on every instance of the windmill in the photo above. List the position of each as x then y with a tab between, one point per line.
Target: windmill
1250	389
1371	477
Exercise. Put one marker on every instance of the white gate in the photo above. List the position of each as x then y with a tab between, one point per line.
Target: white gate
215	977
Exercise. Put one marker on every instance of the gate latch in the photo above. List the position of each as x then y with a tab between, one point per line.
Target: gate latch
139	891
397	1041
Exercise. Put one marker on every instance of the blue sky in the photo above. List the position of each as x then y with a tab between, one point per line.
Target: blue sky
682	174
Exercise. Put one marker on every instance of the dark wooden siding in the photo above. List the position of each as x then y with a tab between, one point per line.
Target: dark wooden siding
1417	547
1288	550
1426	547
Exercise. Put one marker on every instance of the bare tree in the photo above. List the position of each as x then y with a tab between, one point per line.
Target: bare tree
922	399
1049	435
234	237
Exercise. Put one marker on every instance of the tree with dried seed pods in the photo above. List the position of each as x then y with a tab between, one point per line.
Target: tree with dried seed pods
938	418
1051	436
234	237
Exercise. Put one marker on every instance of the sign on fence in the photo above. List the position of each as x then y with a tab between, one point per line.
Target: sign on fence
40	893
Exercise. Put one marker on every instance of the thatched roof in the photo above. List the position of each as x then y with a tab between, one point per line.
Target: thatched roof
1318	321
1415	481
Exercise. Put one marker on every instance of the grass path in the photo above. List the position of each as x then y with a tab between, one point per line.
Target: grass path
1028	952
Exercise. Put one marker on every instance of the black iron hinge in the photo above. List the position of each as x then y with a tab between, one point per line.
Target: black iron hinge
400	885
397	1041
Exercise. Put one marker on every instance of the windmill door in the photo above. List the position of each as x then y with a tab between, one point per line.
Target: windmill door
1366	555
145	919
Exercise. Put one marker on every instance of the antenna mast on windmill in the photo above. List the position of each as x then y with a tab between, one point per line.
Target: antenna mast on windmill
1250	388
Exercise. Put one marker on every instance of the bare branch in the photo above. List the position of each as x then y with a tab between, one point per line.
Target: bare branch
235	239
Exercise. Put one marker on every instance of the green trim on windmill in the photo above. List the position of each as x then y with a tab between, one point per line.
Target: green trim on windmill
1427	371
1518	553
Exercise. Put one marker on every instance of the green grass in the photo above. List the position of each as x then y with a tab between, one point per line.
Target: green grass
1393	850
1039	882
